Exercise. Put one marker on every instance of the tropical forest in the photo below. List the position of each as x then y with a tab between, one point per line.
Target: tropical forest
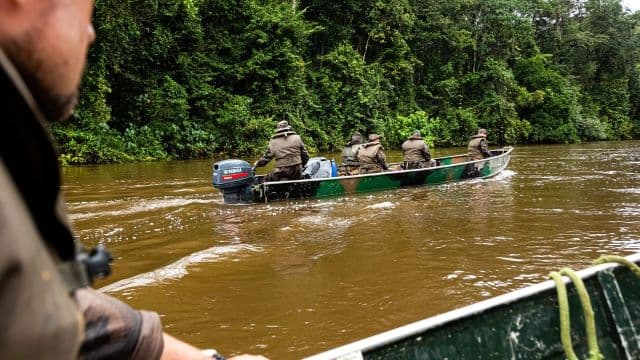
188	79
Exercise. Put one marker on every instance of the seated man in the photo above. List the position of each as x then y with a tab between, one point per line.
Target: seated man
371	156
416	153
350	164
478	146
288	149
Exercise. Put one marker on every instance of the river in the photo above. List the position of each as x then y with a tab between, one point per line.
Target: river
292	279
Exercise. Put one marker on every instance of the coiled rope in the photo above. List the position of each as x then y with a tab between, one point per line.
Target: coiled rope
589	318
635	269
587	310
565	321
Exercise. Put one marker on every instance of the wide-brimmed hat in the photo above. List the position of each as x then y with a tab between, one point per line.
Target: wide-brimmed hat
283	126
374	137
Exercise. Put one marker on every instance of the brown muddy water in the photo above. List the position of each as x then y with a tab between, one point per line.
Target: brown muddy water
291	279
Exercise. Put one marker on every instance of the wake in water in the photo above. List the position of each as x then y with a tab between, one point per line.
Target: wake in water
383	205
140	207
177	269
503	175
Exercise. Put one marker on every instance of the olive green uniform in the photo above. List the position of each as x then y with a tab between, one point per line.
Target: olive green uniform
371	158
478	147
45	317
350	164
415	153
290	154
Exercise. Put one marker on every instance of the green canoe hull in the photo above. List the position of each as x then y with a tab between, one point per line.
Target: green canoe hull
449	169
524	324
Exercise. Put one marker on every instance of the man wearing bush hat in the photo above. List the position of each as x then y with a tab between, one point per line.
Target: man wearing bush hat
478	146
350	164
371	156
289	152
415	152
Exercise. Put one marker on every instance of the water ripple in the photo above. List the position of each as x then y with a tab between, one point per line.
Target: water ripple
141	206
177	269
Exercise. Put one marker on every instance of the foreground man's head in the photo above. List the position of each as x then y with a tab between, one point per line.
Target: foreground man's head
47	40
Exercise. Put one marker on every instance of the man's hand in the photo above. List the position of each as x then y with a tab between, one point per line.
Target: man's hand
175	349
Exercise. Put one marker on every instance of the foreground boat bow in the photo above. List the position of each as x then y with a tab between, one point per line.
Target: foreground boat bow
523	324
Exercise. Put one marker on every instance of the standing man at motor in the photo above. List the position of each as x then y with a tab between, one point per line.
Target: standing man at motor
478	146
371	156
288	149
350	164
415	153
45	300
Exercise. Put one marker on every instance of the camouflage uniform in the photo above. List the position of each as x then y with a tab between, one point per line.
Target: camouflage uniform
46	317
478	146
288	149
350	164
371	156
415	153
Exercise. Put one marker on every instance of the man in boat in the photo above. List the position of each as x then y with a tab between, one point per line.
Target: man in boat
288	149
48	308
478	146
371	156
350	164
415	153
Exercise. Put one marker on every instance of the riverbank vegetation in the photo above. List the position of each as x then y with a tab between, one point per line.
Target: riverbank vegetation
181	79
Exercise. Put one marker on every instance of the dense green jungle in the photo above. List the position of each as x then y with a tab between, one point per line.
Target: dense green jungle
183	79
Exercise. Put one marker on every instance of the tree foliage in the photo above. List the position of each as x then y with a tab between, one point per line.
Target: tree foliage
179	79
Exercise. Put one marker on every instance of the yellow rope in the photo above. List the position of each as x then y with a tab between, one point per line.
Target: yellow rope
587	311
565	320
589	318
620	260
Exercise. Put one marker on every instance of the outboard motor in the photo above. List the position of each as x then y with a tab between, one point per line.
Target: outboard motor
234	178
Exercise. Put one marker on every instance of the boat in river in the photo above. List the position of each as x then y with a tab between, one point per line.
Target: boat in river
524	324
238	183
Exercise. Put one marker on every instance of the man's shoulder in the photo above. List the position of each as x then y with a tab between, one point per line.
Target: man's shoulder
296	139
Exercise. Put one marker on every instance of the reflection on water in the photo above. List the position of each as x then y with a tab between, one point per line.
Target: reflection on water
294	278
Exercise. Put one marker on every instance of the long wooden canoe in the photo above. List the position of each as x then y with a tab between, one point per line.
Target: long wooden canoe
524	324
449	169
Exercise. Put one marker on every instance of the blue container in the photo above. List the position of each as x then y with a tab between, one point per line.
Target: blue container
334	168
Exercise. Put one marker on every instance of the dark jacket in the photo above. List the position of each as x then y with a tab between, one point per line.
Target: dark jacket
478	147
44	318
287	148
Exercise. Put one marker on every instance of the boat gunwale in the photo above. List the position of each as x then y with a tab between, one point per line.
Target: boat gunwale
436	321
507	150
